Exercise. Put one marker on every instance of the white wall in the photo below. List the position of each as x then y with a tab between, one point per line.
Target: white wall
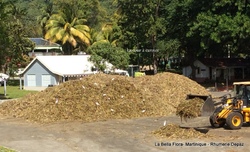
187	71
203	70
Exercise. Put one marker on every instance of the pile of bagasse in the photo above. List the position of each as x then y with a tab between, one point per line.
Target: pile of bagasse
101	97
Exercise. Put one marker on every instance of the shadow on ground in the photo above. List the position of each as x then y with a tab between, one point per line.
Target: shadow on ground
2	96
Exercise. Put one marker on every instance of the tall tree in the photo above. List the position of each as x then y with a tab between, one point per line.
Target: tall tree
68	32
15	43
3	33
76	18
104	48
90	10
225	25
103	51
108	33
142	25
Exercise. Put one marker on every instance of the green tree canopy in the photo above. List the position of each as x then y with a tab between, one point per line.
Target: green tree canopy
13	42
174	27
223	26
142	25
102	52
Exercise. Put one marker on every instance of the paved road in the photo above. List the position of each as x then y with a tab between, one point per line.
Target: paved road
112	136
219	94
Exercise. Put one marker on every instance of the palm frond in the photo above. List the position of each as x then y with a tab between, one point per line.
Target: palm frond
114	43
59	35
107	27
84	38
86	34
93	36
58	18
50	34
100	37
82	28
66	26
72	41
65	38
73	22
80	22
50	24
54	21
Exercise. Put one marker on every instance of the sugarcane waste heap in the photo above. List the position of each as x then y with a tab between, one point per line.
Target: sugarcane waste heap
101	97
190	108
173	131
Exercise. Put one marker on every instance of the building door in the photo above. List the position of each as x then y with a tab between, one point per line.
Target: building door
46	80
31	80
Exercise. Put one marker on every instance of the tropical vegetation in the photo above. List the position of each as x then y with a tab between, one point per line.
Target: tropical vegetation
122	32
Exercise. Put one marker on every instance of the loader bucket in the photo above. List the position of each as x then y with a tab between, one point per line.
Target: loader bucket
208	107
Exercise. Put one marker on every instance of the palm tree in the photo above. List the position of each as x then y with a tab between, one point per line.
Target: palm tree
105	35
69	34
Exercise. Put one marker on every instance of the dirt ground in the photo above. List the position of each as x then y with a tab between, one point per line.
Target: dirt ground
127	135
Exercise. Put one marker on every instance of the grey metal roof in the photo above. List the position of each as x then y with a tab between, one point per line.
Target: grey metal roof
41	43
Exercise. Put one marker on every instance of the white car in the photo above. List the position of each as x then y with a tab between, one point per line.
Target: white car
121	72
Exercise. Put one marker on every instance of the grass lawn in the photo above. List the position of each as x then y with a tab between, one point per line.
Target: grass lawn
13	92
3	149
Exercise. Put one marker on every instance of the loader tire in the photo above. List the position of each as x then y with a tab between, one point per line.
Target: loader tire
218	123
234	120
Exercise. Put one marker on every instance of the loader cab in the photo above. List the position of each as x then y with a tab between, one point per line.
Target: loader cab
242	91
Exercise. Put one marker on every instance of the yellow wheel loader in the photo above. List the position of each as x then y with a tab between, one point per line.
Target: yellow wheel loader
234	110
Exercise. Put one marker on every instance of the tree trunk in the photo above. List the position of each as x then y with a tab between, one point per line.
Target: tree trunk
67	49
153	38
155	63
